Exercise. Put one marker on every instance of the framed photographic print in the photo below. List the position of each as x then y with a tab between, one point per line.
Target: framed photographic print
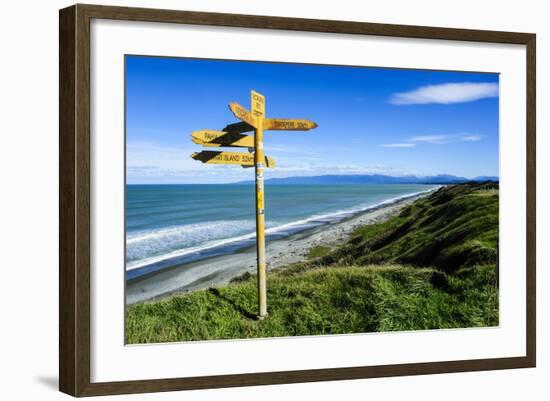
250	200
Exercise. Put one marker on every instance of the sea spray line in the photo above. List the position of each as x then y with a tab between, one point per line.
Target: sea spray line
306	223
144	245
190	229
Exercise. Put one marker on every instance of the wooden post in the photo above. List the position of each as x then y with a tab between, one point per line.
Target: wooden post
258	110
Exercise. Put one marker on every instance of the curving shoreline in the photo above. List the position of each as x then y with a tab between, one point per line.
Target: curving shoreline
220	270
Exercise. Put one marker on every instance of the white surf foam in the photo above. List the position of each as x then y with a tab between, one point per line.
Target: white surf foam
202	233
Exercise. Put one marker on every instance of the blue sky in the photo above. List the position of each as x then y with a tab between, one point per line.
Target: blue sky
371	120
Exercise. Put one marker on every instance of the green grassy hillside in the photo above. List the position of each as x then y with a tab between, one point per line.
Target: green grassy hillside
455	227
433	266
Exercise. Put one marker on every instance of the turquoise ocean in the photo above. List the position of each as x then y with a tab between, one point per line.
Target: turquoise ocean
169	225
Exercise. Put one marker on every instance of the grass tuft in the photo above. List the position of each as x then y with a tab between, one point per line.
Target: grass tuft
318	251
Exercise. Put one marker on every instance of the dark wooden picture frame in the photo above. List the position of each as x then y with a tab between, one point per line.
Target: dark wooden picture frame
74	199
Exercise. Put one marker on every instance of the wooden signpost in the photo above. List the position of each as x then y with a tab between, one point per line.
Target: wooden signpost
243	114
242	159
233	136
288	125
222	138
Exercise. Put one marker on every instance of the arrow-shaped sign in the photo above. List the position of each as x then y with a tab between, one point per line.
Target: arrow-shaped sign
243	114
257	104
243	159
221	138
286	124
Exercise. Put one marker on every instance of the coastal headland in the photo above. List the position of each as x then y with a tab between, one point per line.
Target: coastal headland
425	262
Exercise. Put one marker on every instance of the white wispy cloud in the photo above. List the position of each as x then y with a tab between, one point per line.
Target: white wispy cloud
290	169
291	150
217	174
201	173
471	137
447	93
443	139
398	145
435	140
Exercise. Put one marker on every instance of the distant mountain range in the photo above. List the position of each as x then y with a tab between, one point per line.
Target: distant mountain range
373	179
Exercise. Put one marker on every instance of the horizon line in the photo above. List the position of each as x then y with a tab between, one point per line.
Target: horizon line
316	176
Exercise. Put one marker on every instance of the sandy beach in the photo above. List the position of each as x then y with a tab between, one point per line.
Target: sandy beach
218	271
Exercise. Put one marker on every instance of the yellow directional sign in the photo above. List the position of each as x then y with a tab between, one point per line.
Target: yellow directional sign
257	101
221	138
242	114
243	159
232	135
288	124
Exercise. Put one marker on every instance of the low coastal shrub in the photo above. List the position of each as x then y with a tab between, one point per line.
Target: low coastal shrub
318	251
